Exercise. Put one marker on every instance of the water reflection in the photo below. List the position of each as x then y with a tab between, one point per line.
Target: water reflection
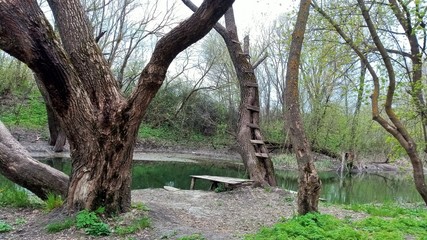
360	188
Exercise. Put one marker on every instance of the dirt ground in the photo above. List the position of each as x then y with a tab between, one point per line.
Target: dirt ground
173	214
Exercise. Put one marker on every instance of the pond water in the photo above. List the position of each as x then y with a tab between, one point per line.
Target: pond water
360	188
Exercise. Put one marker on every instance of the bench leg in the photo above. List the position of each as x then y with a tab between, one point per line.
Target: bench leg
193	181
214	185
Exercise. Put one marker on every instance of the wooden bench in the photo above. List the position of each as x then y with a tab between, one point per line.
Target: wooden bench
228	182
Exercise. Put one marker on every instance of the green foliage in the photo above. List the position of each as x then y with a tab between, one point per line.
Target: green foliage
135	226
15	196
140	206
195	236
4	227
387	221
53	201
92	224
309	226
29	114
59	226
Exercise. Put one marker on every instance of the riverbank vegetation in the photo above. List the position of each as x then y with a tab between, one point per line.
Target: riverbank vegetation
386	221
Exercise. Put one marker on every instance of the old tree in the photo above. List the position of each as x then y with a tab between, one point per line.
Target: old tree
100	123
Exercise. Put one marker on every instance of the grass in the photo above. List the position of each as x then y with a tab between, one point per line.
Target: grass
387	221
60	226
53	201
30	114
136	225
4	227
12	195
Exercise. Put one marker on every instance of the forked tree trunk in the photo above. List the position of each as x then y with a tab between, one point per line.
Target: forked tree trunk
308	180
252	148
100	123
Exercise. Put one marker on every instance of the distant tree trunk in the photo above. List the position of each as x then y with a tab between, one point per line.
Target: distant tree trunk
17	165
57	137
308	181
249	137
100	123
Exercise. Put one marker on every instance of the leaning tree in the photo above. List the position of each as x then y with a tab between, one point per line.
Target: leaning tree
100	123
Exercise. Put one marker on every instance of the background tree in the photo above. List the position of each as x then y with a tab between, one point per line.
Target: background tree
252	149
378	45
85	95
308	181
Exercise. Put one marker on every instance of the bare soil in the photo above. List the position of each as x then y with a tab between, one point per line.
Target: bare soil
173	214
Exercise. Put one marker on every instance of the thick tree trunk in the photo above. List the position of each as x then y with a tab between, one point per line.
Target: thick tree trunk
101	168
100	124
17	165
308	181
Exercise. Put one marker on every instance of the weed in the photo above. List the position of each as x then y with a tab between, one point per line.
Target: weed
139	224
59	226
4	227
53	201
91	223
388	221
15	196
20	221
195	236
140	206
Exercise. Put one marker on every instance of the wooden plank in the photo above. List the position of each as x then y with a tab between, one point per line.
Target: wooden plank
254	141
261	155
251	125
253	108
228	180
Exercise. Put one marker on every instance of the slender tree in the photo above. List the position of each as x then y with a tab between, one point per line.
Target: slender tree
391	121
309	183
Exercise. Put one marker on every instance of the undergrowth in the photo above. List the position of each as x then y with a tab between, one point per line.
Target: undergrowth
4	227
12	195
387	221
92	223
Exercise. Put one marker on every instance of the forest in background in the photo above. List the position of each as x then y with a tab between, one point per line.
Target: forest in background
200	97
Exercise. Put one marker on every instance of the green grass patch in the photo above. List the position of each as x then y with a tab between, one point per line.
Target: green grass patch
12	195
136	225
30	113
195	236
386	222
60	226
4	227
53	201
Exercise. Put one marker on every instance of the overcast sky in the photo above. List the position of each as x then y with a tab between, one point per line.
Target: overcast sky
250	14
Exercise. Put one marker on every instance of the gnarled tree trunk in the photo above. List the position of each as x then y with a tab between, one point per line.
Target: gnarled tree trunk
99	122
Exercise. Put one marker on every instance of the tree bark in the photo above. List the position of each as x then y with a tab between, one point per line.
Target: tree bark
100	123
252	148
18	166
309	183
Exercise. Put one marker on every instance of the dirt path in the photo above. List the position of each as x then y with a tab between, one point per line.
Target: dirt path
175	214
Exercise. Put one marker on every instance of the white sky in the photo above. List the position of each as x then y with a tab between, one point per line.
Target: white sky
251	14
